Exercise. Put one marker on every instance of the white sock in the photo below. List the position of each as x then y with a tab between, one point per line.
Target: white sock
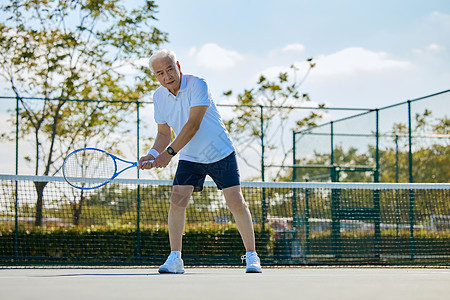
176	253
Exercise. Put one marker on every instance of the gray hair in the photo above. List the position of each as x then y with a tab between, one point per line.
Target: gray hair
162	53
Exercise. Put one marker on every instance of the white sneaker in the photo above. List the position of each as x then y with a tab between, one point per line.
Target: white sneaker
253	262
173	265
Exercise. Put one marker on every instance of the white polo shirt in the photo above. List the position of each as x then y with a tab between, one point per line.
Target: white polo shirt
212	142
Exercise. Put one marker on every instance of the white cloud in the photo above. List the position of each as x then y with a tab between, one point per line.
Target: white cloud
431	48
357	60
294	48
273	72
213	57
441	18
435	47
347	62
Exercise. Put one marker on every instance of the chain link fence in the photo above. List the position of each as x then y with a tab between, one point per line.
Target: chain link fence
404	142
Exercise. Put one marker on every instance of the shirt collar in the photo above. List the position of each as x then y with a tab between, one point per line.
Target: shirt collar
182	88
183	83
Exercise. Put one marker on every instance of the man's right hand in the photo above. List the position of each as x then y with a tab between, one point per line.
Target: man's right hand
146	162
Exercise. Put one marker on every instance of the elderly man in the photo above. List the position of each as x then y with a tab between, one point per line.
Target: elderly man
184	103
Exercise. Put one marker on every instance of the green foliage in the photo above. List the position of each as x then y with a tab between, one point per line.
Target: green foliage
342	158
427	164
66	49
207	244
212	243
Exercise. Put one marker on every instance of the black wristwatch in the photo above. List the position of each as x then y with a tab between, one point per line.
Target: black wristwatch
171	151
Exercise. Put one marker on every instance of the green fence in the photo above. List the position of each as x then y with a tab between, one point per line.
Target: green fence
405	142
128	128
125	222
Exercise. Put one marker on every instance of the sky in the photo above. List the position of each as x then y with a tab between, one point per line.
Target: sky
368	54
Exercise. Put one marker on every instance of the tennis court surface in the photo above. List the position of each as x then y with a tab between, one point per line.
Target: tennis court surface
226	283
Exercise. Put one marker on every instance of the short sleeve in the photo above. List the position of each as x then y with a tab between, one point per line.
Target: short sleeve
201	95
159	118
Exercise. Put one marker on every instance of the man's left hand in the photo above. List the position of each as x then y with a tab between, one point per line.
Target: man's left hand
162	160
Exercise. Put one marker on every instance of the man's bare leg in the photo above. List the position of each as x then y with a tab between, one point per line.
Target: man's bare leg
241	213
177	214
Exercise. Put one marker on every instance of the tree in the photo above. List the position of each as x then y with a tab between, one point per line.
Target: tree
61	49
430	146
349	163
271	103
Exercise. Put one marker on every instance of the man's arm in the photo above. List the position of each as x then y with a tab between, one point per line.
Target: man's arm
188	131
162	140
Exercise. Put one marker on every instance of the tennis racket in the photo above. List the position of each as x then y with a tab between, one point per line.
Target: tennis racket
91	168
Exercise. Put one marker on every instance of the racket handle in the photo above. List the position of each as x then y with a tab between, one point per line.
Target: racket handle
145	161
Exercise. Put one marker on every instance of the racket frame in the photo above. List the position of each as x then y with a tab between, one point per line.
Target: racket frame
115	159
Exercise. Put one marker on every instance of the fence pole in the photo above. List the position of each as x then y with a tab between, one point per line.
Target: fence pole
377	149
295	220
410	160
332	170
264	205
294	169
396	158
332	142
262	143
138	217
397	206
16	202
411	192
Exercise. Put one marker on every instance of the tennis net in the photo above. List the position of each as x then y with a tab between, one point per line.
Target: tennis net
44	221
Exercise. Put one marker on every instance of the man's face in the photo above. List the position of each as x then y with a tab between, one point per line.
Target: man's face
168	73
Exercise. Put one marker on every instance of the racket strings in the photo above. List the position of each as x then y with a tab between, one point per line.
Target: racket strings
89	164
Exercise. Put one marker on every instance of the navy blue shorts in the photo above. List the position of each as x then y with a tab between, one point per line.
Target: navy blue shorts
225	173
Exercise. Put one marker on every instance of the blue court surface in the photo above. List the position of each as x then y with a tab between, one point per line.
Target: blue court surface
225	283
